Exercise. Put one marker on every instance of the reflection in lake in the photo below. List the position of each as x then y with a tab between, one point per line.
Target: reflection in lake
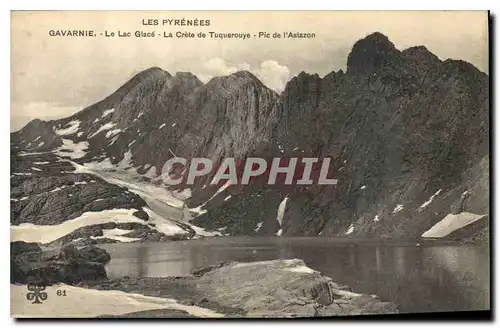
418	278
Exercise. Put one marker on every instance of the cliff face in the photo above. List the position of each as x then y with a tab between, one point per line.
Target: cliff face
399	126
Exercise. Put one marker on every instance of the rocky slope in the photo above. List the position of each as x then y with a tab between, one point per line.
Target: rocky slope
408	135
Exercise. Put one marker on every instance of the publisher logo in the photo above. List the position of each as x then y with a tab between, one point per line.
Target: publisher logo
36	294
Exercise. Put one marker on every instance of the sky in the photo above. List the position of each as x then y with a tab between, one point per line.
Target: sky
53	77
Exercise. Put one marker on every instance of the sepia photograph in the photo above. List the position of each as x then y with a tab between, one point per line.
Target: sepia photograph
250	164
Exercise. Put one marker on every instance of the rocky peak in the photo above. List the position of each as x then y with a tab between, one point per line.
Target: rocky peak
301	95
304	77
33	124
420	53
419	62
371	54
188	78
183	82
150	74
236	81
462	67
36	127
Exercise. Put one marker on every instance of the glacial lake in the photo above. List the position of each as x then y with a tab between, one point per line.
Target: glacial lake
426	277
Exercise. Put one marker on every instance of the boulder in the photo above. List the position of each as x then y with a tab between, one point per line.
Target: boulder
70	265
141	215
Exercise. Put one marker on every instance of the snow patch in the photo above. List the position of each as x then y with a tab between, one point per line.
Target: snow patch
301	269
47	233
105	164
117	234
71	149
281	210
33	153
259	225
363	187
162	126
40	144
41	163
398	208
202	232
292	265
35	168
227	198
376	219
424	205
198	210
57	189
71	129
107	126
127	180
174	124
450	223
350	230
183	194
163	225
112	133
151	173
107	112
281	148
279	232
113	140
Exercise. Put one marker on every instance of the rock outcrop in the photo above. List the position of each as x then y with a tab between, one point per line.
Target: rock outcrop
290	289
70	265
277	289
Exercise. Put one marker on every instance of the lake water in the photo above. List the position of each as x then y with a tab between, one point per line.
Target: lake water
419	278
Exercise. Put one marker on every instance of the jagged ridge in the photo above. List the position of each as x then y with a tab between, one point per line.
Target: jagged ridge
401	123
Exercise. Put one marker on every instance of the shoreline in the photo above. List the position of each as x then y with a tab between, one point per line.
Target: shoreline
274	288
230	289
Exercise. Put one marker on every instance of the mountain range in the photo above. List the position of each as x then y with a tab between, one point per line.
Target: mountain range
408	134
